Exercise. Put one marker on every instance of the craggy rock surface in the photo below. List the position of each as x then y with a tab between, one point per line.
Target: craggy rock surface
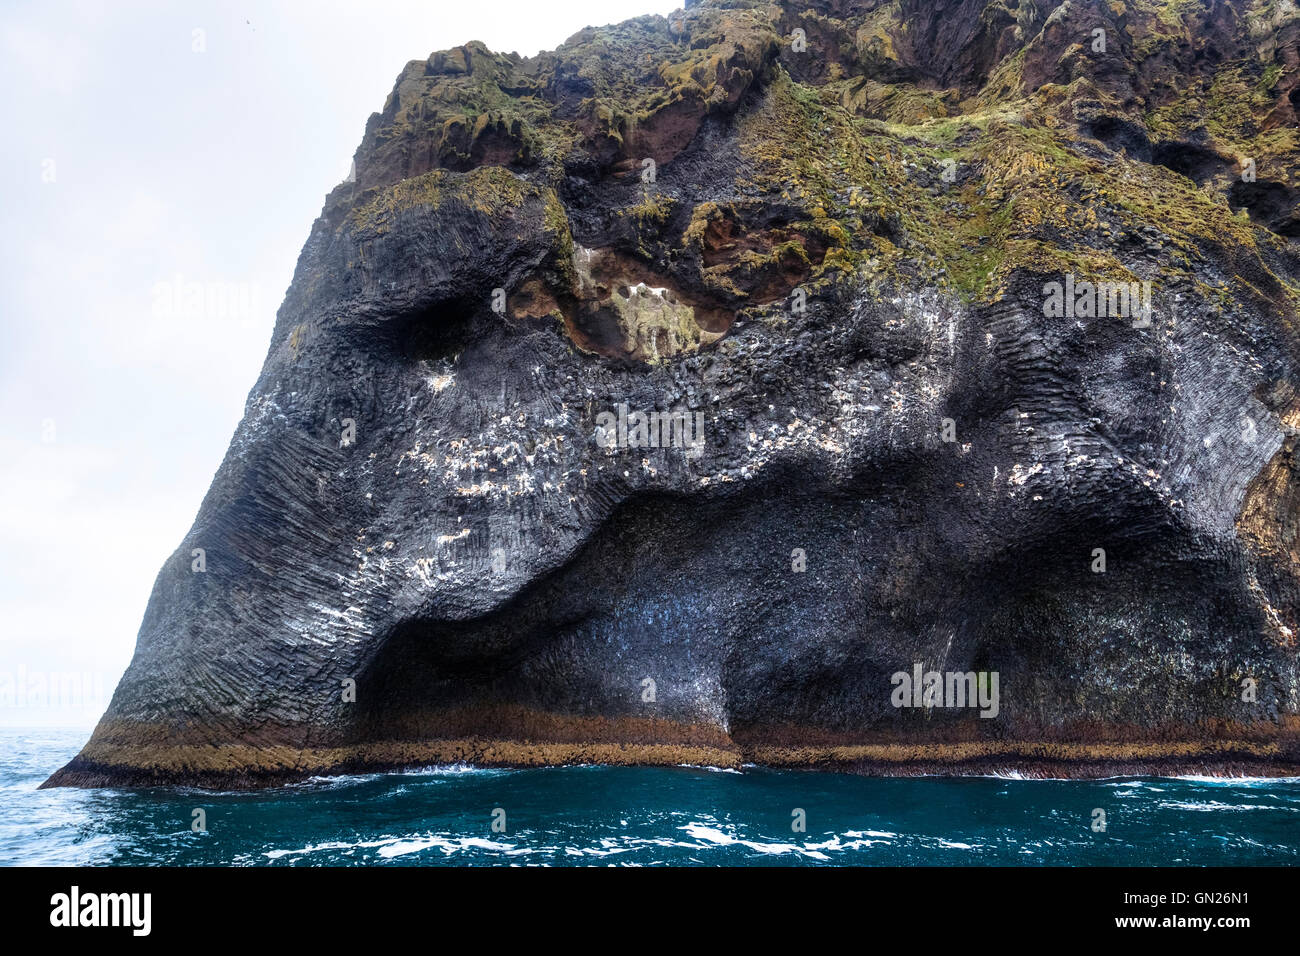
824	244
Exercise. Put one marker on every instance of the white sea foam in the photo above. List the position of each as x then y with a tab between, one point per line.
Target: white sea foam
448	845
1236	781
389	847
1218	806
456	770
317	847
333	781
716	837
708	767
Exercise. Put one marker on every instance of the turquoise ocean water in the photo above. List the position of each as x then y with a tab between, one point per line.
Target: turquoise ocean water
642	816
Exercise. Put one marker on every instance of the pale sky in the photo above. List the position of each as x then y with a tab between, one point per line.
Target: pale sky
140	156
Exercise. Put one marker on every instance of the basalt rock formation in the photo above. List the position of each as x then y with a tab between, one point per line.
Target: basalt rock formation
987	310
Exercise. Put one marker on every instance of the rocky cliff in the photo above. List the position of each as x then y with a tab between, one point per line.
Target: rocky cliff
694	391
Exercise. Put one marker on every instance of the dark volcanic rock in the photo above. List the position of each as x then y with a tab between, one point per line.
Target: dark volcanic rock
829	255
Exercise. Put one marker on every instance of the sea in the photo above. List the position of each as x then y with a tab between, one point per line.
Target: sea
642	816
